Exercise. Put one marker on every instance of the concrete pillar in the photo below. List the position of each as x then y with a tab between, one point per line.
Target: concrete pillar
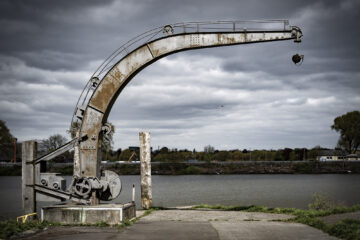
77	158
145	169
30	176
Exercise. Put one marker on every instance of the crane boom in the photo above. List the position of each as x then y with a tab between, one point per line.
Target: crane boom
111	78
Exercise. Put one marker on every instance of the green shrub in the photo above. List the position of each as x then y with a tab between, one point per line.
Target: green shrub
323	201
102	224
126	222
348	229
192	170
304	167
9	228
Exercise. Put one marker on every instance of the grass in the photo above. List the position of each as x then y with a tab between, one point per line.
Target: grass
9	228
347	229
102	224
127	222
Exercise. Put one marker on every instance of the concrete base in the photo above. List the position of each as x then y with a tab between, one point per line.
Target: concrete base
84	214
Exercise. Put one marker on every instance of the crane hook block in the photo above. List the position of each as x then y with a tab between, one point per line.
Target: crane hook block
298	59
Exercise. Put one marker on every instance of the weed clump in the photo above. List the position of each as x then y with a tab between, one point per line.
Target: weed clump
323	201
348	229
9	228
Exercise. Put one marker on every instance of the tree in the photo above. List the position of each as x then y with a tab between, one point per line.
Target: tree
50	144
6	141
349	127
164	150
209	149
125	155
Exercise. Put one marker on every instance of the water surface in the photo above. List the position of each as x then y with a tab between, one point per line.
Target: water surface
278	190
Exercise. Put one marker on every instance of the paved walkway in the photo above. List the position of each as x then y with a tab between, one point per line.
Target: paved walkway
194	224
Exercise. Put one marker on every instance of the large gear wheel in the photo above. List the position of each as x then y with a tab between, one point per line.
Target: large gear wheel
82	187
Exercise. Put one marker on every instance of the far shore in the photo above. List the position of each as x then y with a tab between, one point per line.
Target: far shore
209	168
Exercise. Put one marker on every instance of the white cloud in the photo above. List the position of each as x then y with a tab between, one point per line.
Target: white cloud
320	101
225	116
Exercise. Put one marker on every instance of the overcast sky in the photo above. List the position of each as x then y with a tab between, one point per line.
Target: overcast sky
245	96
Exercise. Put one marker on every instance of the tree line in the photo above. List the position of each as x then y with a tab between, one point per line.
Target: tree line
348	125
182	155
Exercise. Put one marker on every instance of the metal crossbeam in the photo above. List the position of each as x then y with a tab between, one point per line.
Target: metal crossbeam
66	147
62	195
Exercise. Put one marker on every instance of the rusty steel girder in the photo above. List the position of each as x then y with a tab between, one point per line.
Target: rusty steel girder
95	112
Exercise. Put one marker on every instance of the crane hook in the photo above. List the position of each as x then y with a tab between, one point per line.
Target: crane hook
297	59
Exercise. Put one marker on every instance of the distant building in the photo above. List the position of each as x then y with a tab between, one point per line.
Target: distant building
331	158
353	157
336	155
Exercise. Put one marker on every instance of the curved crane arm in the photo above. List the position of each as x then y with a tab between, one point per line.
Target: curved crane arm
100	104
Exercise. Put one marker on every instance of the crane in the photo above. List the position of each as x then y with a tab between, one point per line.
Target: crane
89	123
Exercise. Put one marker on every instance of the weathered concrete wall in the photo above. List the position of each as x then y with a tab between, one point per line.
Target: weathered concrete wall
74	214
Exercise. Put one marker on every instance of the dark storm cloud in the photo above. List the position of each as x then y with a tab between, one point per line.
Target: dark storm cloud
88	28
49	49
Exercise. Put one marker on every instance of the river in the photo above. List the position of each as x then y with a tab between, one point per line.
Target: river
278	190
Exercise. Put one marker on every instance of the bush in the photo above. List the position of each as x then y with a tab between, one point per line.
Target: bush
305	167
102	224
348	229
9	228
192	170
323	201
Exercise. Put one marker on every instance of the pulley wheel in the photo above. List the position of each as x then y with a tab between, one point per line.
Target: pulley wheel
114	185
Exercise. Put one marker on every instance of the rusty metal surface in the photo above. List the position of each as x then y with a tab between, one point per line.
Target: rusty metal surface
117	76
100	97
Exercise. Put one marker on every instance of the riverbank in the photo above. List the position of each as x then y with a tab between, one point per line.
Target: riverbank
212	222
245	167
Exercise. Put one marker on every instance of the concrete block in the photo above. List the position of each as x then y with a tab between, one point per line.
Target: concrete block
112	214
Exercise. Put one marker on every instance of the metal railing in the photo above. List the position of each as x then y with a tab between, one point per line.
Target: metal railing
176	28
